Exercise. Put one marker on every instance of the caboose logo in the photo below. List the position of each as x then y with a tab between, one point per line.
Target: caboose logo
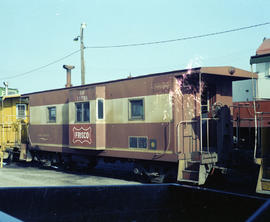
82	135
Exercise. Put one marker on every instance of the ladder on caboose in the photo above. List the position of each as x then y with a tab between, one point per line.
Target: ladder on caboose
196	159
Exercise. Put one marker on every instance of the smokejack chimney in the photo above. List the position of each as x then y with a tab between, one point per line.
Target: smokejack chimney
68	68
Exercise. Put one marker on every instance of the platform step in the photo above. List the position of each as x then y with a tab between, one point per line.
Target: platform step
193	165
194	161
265	184
207	158
191	175
204	157
188	181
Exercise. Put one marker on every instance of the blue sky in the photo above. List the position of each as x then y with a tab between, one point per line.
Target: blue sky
36	33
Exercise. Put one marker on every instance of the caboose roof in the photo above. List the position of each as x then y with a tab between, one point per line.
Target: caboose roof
229	71
235	73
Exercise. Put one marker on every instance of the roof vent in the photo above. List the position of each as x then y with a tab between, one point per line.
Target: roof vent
68	68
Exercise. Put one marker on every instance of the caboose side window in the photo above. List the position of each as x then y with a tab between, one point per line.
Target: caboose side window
208	97
138	142
100	108
82	112
52	114
21	111
136	109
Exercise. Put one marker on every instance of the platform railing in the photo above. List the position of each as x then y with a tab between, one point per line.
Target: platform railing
181	136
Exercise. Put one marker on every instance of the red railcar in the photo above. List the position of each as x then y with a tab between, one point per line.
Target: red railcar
252	131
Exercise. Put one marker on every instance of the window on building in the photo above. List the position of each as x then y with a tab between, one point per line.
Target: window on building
100	108
82	112
21	111
138	142
52	114
136	109
267	67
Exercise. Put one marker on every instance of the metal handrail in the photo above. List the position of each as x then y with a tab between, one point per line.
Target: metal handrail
194	121
177	130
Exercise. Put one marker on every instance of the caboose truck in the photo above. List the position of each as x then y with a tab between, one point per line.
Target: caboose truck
178	121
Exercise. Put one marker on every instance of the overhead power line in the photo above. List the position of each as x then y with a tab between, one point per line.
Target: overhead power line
40	67
178	39
133	45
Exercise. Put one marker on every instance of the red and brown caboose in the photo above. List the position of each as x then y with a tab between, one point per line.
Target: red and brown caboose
174	121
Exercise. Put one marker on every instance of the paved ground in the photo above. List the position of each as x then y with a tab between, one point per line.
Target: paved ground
17	174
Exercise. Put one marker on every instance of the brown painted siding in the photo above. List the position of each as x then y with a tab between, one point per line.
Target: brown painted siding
122	89
62	96
49	134
224	91
48	98
117	135
63	135
59	138
82	94
139	87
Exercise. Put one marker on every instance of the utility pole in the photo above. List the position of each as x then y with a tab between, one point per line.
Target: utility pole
83	26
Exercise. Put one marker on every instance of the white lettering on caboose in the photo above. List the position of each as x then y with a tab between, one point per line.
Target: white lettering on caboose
81	135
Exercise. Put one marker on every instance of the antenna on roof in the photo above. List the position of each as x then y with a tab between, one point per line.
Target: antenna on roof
6	87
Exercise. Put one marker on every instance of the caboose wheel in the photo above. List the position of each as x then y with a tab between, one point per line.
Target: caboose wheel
158	179
150	172
9	158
